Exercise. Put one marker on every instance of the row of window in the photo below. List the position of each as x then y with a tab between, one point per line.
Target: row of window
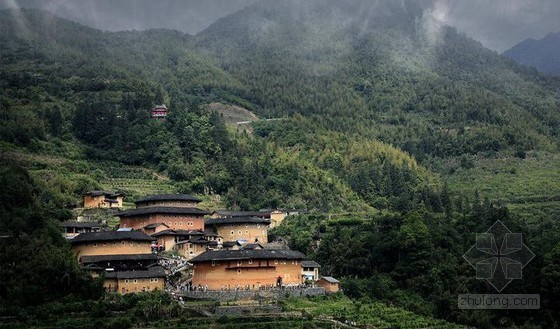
152	280
241	232
180	223
250	261
247	225
171	223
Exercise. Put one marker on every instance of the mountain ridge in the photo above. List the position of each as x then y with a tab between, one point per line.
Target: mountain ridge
400	148
358	81
541	54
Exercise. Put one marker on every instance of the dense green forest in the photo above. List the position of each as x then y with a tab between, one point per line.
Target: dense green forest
412	136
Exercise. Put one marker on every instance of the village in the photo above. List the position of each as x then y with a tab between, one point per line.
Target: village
167	243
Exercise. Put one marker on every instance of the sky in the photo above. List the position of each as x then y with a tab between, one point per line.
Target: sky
498	24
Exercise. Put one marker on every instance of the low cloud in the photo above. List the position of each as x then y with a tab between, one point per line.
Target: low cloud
498	24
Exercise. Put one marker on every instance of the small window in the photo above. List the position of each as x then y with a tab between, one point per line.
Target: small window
135	281
95	244
232	232
250	261
276	261
126	281
238	263
238	271
247	232
213	263
123	242
240	232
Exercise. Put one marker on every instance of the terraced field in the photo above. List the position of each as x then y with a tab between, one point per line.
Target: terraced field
530	187
374	314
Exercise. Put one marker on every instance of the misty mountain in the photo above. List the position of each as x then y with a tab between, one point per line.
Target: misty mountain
374	105
354	84
387	64
187	16
543	54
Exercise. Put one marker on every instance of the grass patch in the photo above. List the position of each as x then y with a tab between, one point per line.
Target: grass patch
364	313
529	186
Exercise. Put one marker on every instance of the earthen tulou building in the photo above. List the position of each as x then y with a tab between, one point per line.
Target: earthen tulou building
177	211
229	250
102	199
124	258
247	269
241	229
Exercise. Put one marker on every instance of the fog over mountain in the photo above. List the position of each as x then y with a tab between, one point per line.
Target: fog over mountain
498	24
189	16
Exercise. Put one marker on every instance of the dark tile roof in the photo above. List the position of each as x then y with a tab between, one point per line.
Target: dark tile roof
154	225
190	232
164	232
93	267
178	232
113	258
247	254
80	224
229	244
199	241
162	210
237	220
285	210
329	279
105	193
228	213
310	263
168	197
110	236
252	246
152	272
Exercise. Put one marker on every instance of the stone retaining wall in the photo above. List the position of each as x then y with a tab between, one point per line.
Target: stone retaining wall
274	294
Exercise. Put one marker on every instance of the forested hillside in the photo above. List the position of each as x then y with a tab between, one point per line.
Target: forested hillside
412	136
97	88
